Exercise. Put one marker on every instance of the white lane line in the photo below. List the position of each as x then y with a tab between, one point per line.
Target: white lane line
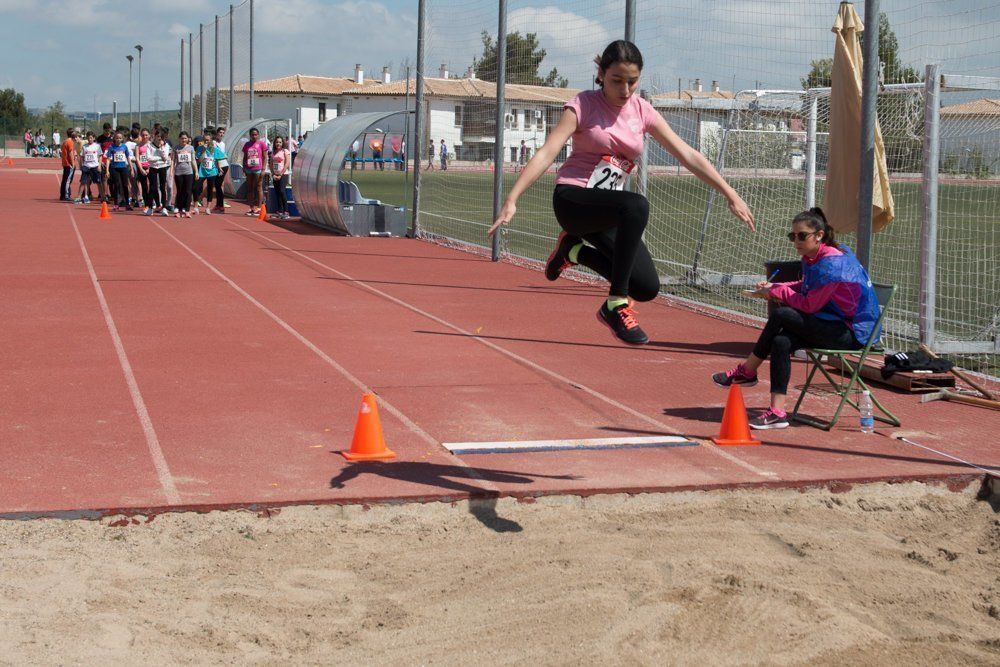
563	445
518	358
384	404
152	442
992	471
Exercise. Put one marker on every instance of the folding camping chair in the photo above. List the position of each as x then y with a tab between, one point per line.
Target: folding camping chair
842	386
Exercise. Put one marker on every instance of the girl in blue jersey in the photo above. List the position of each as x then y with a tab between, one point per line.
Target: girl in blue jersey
119	169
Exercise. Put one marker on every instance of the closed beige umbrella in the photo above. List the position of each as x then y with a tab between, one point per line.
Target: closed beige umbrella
843	173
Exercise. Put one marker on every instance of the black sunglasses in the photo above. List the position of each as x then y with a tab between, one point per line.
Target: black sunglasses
801	236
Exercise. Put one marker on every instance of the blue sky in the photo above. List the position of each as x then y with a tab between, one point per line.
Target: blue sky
74	50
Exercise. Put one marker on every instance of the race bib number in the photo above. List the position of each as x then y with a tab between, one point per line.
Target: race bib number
207	163
119	156
611	173
184	157
89	160
253	161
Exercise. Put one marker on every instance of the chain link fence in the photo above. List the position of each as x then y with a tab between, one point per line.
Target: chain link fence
216	70
736	81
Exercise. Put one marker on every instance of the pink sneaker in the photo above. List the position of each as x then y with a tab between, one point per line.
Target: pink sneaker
738	375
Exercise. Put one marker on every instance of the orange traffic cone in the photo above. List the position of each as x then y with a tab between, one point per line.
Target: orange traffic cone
263	212
735	427
105	214
368	443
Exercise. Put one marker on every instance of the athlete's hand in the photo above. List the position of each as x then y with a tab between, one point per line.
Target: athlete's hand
739	208
506	213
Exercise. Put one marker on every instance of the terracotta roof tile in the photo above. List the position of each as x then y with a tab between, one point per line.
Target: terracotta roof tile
305	84
471	89
983	107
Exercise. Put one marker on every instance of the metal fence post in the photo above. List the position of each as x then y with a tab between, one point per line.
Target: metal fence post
190	83
202	116
182	86
630	21
251	61
215	118
869	97
643	182
929	227
418	135
229	118
498	147
811	151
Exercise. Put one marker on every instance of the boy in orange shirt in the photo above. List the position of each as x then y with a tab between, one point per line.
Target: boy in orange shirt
67	151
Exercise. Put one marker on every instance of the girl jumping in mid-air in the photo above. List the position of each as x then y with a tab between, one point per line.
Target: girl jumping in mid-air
590	200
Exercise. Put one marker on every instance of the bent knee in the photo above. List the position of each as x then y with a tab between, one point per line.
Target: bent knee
781	345
644	290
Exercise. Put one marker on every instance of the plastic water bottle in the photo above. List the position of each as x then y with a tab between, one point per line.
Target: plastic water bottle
865	408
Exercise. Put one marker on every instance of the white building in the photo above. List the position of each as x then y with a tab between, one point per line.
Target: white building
970	138
460	111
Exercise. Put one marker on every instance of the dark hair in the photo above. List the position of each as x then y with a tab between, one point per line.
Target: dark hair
618	51
253	129
816	219
107	126
134	133
183	133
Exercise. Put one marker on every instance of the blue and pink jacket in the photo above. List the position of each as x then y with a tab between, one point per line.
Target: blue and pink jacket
834	287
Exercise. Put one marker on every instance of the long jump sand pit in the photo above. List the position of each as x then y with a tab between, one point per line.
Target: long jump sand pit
881	573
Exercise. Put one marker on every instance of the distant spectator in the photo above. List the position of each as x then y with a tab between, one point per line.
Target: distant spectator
444	156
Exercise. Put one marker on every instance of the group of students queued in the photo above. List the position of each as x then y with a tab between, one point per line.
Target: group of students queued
135	168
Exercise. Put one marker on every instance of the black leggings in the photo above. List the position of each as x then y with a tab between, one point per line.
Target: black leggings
145	186
197	187
220	196
119	186
788	330
183	183
158	185
612	222
279	193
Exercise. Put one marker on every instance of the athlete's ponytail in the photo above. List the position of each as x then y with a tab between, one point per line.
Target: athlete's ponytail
618	51
816	219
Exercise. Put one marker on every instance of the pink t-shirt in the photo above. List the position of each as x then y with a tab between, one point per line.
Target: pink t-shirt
603	129
253	156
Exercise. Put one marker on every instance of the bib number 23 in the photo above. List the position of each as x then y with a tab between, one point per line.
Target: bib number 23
611	173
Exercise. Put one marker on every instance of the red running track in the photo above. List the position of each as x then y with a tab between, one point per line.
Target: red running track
154	363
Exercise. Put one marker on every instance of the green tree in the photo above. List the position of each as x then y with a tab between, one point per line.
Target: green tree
14	116
820	74
894	70
523	60
54	118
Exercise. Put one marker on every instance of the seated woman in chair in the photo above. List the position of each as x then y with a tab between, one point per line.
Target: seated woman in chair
834	307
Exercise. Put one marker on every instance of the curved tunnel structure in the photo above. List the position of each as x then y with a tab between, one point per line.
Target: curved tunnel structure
316	178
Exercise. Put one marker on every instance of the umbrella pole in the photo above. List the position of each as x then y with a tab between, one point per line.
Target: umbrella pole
869	87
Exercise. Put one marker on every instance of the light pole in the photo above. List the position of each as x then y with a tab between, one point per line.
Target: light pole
138	47
130	59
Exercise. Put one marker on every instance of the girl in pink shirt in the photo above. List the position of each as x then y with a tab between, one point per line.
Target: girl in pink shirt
833	306
608	128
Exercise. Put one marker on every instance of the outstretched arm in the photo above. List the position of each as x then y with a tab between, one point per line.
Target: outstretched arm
539	163
699	165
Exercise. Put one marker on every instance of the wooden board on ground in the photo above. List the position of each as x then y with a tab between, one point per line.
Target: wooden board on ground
914	383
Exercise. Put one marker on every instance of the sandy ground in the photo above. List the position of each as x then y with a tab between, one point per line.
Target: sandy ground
878	574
